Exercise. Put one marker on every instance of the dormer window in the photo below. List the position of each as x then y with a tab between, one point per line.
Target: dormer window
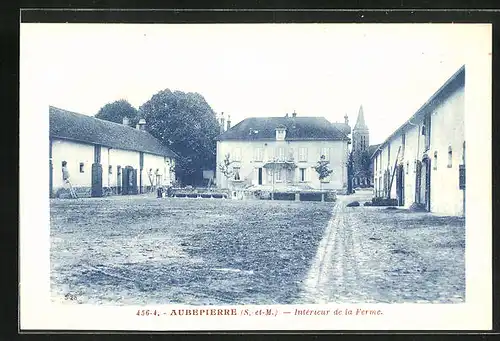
280	133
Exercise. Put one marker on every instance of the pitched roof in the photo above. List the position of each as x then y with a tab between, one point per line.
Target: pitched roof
343	127
72	126
297	128
455	82
360	122
372	149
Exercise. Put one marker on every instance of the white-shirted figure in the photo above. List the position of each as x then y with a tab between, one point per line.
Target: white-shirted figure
65	174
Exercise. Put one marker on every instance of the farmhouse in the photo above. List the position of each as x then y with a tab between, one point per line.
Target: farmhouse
280	152
103	157
423	161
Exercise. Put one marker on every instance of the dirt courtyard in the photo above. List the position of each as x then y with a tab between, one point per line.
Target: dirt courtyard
143	250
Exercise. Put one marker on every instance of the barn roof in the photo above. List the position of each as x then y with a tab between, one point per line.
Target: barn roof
69	125
455	82
297	128
372	149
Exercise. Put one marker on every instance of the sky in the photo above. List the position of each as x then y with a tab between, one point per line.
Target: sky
249	70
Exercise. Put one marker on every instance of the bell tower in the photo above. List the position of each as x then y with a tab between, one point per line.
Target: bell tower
360	144
360	133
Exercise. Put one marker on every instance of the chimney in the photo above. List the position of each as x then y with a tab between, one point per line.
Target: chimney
346	119
142	124
228	122
222	123
294	114
125	121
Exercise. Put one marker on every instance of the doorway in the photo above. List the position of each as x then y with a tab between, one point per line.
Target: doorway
400	185
427	183
260	176
118	179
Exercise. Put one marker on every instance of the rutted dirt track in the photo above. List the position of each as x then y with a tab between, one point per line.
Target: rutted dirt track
201	251
371	254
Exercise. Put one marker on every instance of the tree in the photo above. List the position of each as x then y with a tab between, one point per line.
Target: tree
185	123
322	169
225	167
117	110
350	170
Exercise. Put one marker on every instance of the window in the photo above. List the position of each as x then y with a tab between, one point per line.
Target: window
110	170
324	151
302	174
427	132
280	134
463	153
302	154
407	166
82	170
259	154
278	174
281	153
450	157
435	160
236	171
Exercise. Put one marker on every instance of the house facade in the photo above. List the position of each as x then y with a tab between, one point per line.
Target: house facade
280	152
423	161
104	157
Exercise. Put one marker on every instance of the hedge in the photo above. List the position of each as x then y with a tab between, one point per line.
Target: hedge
314	196
284	196
378	201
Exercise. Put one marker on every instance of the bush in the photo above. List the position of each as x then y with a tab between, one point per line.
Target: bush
415	207
284	196
378	201
331	196
353	204
368	203
314	196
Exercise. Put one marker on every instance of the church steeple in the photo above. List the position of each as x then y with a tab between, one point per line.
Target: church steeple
360	122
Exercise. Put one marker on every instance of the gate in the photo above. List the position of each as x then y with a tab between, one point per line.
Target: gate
96	190
129	180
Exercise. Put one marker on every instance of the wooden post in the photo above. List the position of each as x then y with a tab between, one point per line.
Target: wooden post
393	173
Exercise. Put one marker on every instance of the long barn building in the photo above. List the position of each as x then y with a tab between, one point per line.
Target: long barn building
423	161
105	158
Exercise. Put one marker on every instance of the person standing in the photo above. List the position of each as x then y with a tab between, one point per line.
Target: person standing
65	174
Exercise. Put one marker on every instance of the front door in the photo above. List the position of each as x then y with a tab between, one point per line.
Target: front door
427	193
260	176
400	185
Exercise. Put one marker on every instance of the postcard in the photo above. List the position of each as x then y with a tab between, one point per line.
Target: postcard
197	177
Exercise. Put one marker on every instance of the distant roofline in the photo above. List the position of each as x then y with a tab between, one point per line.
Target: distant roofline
344	138
95	118
174	155
452	85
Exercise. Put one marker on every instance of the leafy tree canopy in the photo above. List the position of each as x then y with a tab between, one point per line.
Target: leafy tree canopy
186	124
116	110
